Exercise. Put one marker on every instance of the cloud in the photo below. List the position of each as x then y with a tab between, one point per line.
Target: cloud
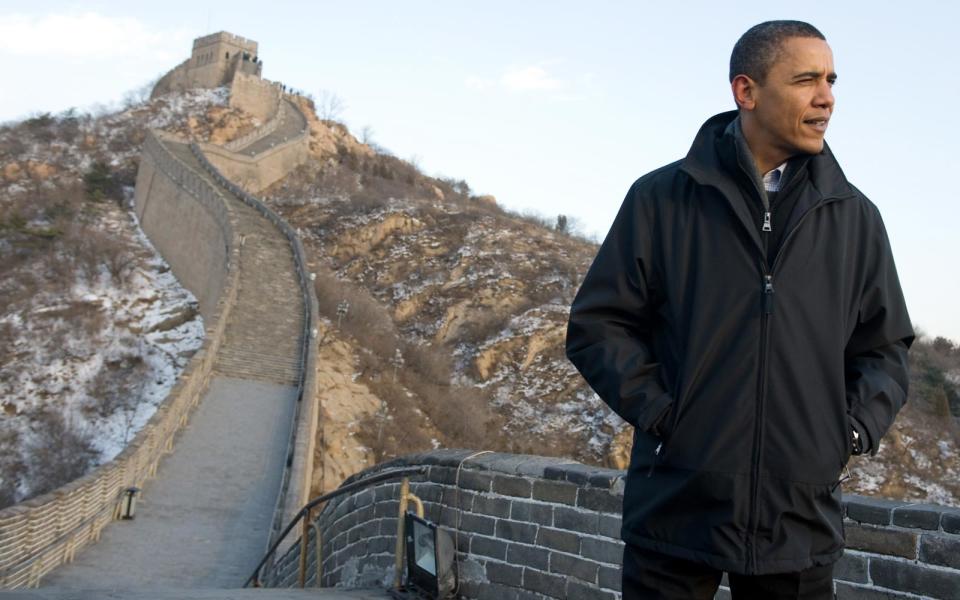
532	78
86	35
529	79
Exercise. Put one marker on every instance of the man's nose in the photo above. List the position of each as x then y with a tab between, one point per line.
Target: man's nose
824	97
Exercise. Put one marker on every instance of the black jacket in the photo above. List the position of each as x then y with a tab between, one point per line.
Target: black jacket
758	365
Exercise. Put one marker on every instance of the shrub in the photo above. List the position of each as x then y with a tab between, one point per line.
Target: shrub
60	452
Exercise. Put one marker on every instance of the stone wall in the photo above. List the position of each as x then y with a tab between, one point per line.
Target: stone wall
186	220
39	534
255	173
537	527
254	95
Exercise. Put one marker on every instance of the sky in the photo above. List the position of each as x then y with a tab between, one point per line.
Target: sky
552	107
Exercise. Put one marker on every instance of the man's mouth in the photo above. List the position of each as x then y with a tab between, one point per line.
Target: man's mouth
820	124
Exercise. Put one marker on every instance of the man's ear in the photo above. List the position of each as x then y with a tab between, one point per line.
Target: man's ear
744	92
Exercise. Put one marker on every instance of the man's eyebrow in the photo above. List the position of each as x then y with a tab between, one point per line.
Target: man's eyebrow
814	74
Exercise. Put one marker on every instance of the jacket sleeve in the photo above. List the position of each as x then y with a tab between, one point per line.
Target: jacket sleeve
875	358
611	318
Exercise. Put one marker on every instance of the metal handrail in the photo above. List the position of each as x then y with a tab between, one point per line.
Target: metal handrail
308	507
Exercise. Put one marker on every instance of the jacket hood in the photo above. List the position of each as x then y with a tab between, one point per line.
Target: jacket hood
713	158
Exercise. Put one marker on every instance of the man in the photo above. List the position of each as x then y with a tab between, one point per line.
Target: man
744	314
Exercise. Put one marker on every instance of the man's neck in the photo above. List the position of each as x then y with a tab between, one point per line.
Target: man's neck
765	156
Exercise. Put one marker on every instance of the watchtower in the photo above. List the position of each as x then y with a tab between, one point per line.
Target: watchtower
215	60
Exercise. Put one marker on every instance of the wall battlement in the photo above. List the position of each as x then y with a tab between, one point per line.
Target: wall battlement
226	37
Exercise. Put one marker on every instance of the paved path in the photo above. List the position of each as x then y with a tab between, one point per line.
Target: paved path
204	520
293	123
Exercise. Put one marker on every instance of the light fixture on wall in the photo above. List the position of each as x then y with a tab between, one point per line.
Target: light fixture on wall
429	554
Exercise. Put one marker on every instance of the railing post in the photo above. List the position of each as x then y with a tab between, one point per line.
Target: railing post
305	531
398	561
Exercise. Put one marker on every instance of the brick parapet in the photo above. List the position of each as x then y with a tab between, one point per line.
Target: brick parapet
538	527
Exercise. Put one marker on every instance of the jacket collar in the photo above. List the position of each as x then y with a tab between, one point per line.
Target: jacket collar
714	152
716	159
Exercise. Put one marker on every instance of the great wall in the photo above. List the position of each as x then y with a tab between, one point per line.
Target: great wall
227	459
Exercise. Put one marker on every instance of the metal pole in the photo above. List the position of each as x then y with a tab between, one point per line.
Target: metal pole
398	564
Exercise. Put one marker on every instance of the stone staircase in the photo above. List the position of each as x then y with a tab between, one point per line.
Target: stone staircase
264	335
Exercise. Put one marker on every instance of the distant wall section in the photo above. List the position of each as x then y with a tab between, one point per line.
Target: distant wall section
189	227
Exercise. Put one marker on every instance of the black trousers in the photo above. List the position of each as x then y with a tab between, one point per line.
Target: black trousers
650	575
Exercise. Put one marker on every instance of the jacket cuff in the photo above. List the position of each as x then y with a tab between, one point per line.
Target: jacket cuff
864	436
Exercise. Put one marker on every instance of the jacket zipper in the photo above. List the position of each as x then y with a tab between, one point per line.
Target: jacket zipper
767	291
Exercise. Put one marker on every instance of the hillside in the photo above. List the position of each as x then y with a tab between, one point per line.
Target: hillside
94	329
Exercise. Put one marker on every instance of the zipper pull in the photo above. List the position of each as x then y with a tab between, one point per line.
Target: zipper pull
768	294
656	453
766	221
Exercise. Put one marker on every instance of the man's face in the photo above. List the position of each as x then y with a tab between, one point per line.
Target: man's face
794	104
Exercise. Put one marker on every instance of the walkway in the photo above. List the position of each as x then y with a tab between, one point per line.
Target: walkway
204	520
293	123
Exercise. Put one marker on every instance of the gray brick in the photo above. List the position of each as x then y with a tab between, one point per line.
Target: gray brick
381	544
602	550
512	486
923	516
865	509
493	591
575	473
576	520
388	526
881	541
389	508
851	567
477	523
553	491
940	550
574	566
444	475
387	491
491	547
432	492
541	514
516	531
476	480
529	556
610	578
503	573
491	505
610	526
950	520
600	500
536	581
582	591
559	540
847	591
909	577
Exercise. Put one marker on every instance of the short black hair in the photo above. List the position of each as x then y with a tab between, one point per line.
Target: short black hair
759	48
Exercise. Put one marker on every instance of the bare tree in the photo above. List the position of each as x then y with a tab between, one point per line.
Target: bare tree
330	106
